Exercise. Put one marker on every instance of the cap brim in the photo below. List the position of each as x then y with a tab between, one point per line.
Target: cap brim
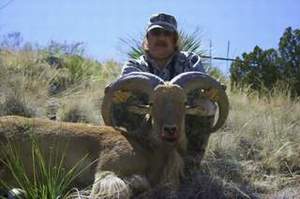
157	26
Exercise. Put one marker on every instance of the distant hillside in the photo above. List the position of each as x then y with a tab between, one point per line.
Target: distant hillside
37	83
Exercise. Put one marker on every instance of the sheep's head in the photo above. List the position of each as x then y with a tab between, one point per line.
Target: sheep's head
167	113
165	102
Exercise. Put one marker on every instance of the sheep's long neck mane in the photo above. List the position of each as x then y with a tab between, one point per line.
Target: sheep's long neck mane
173	169
166	163
166	166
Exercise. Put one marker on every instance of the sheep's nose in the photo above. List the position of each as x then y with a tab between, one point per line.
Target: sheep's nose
170	130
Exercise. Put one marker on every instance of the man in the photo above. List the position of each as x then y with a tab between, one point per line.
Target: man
162	56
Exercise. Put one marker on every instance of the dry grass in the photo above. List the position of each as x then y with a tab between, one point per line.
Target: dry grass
255	155
30	86
259	146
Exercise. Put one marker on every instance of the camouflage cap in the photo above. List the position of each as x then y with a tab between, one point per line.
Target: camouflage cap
163	21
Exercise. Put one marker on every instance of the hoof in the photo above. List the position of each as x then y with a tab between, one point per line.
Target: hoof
17	193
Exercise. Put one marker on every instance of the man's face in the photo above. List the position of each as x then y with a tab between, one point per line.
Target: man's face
161	43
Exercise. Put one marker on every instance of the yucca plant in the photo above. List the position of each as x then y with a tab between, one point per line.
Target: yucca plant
50	179
187	42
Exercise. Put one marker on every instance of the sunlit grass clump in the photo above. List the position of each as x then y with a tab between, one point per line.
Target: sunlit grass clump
47	178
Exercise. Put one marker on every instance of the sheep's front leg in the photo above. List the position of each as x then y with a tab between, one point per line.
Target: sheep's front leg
137	184
109	186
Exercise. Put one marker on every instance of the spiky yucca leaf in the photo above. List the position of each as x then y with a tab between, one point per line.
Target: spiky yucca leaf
135	49
191	42
50	179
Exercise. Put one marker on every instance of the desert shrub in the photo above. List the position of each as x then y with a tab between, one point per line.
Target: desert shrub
82	107
24	88
16	105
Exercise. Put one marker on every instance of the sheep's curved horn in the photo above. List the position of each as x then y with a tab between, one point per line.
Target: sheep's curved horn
142	82
193	80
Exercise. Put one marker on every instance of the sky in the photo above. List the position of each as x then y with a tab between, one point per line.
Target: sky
101	24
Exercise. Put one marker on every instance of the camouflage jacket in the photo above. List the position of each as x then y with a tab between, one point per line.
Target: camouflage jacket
180	62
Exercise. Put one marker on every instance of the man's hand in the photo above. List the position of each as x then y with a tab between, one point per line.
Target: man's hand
121	96
212	93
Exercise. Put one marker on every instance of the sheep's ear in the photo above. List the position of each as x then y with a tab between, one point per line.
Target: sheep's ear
194	110
139	109
200	110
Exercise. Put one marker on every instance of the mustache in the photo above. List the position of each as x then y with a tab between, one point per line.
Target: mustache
161	44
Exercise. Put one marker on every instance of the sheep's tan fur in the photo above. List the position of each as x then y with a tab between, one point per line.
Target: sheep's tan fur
111	150
122	164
